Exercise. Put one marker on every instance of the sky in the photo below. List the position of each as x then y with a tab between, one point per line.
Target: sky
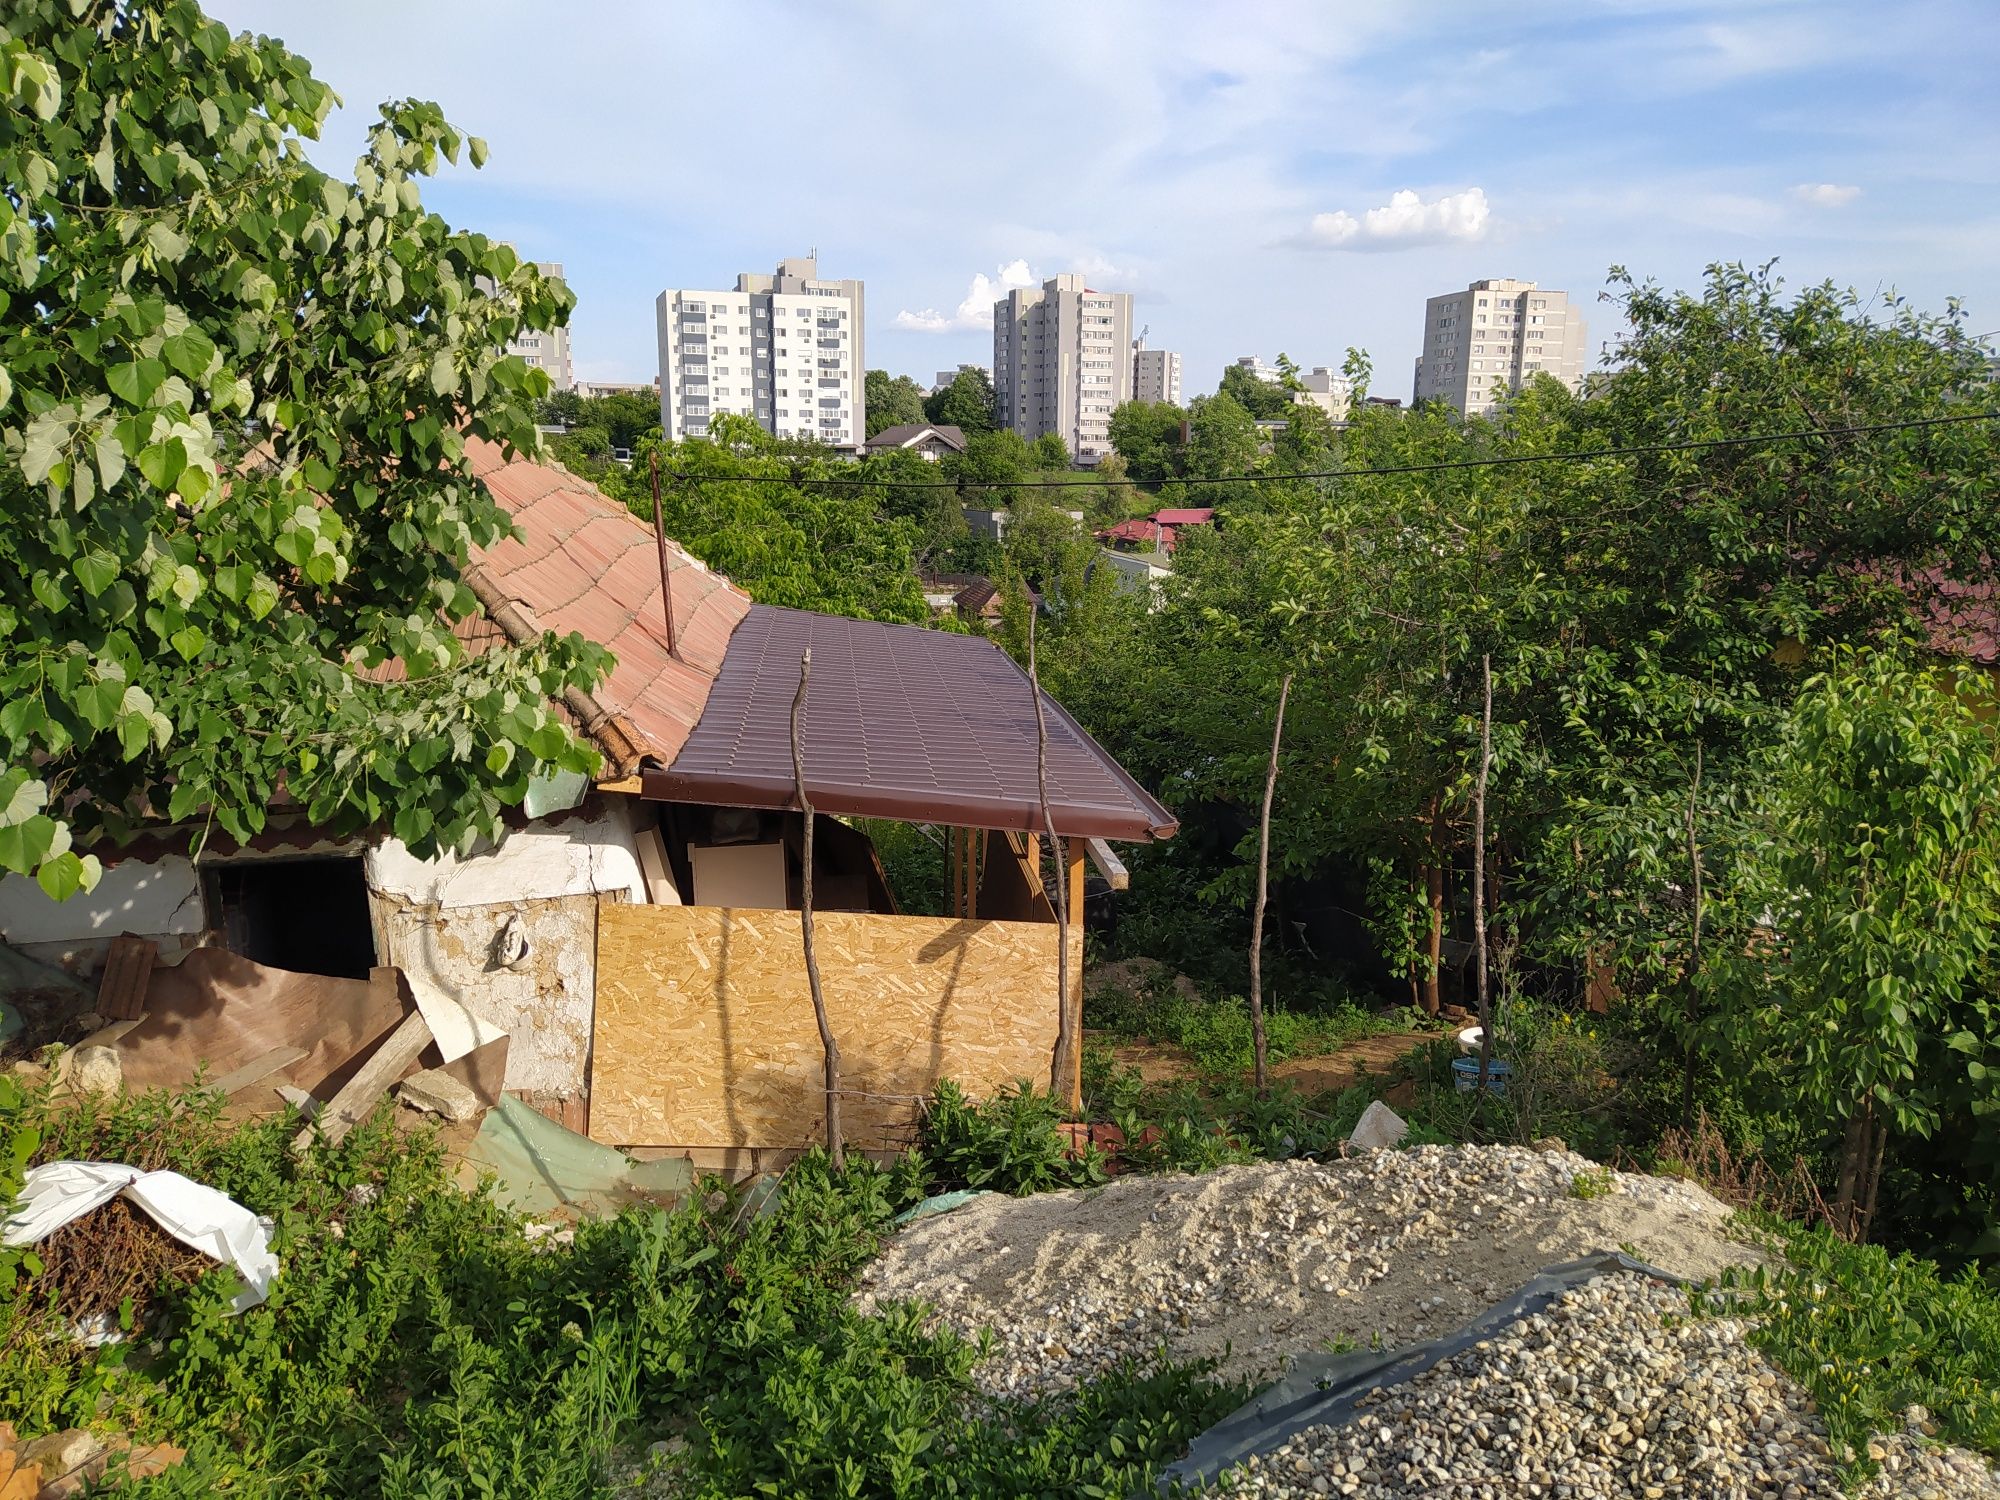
1262	177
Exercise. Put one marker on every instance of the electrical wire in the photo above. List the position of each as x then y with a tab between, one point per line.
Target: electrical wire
1572	456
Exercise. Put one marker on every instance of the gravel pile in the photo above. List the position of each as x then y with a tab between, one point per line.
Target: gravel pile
1256	1265
1611	1392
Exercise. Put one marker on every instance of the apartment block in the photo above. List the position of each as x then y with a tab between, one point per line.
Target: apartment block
1062	362
547	350
1494	335
784	349
1156	374
1328	389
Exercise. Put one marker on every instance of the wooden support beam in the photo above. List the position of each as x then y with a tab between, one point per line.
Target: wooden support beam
1073	875
1108	864
260	1068
356	1101
630	785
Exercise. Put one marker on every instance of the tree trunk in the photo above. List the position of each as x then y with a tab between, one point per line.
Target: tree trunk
1434	890
1263	886
1855	1148
1694	951
829	1048
1062	1066
1479	873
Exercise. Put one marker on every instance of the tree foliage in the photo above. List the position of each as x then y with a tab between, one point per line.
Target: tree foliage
968	403
235	394
896	401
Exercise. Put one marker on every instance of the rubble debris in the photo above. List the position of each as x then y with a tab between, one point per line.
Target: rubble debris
1255	1265
541	1168
359	1095
62	1464
91	1069
1378	1127
436	1092
1613	1390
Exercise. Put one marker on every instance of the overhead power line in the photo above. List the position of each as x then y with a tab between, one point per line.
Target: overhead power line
1581	455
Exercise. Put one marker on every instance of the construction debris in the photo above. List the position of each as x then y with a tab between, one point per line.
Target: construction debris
61	1464
91	1069
436	1092
1378	1127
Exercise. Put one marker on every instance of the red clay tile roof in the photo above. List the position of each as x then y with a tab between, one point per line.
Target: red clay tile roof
585	563
901	722
1198	515
1963	618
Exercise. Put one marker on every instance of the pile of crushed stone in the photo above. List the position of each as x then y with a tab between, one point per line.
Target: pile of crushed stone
1253	1266
1612	1391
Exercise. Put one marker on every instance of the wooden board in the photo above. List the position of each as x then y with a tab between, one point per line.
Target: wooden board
128	972
704	1033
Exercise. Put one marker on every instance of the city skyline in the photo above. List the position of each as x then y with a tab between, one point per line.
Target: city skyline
1303	186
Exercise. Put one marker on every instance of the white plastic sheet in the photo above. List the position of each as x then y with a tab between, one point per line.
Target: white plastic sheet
59	1192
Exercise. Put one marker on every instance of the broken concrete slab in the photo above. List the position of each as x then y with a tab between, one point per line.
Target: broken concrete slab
436	1092
91	1069
1378	1128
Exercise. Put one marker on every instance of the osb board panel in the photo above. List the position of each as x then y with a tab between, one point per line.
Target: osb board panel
705	1036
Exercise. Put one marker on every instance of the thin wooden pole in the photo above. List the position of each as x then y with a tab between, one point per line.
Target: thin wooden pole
1263	889
666	572
1062	1066
1694	949
828	1046
1479	870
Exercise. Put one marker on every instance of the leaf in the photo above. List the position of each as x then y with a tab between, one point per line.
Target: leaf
25	845
476	150
26	798
61	877
96	570
188	641
191	353
444	378
262	598
135	381
162	463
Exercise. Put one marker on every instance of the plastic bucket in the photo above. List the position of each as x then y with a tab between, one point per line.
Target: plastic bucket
1465	1074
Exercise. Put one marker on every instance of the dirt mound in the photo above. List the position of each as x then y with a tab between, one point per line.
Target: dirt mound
1254	1265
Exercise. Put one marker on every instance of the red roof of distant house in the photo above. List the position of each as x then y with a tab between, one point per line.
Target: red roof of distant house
1199	515
1131	531
1963	618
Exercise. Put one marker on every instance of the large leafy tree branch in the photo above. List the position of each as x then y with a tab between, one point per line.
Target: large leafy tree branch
235	399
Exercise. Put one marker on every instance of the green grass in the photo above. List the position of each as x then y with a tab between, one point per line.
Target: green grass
416	1346
1868	1334
1217	1034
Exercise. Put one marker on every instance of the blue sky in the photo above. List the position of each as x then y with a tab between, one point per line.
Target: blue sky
1261	176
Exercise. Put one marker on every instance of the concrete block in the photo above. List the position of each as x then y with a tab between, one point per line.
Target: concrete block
437	1092
1379	1126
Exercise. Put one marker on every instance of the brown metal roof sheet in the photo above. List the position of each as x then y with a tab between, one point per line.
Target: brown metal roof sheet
901	722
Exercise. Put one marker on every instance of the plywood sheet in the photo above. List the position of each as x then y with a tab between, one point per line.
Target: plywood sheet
705	1037
739	874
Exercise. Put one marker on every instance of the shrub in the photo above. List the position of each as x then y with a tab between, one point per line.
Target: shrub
1012	1143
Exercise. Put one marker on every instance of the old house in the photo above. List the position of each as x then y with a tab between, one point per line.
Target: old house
636	939
925	439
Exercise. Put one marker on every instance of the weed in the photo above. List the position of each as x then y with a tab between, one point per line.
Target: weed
1012	1143
1592	1182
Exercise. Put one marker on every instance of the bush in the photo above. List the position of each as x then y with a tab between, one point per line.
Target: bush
1012	1143
1216	1034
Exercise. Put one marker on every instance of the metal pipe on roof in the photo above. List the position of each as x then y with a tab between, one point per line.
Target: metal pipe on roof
620	745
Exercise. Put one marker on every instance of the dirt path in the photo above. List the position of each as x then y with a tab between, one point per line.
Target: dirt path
1161	1062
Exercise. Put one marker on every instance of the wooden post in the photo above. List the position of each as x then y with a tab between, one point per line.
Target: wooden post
1263	887
829	1048
1063	1066
1073	878
1479	871
1694	949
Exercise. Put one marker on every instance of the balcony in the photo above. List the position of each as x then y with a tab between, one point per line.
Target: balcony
829	343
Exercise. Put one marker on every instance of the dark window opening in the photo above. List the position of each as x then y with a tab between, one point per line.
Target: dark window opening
306	915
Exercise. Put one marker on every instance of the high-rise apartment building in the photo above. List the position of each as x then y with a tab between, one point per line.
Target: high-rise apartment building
1062	361
1156	374
1494	335
785	349
1328	389
546	350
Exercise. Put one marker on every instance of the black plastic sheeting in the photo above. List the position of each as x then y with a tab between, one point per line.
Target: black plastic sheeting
1324	1390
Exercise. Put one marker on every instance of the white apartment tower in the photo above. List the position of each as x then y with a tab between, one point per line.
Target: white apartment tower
1156	374
784	349
1062	362
1496	334
546	349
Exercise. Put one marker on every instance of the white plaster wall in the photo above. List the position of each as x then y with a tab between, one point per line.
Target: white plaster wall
545	1004
562	856
157	900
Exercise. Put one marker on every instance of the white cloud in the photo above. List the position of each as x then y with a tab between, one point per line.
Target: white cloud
1826	194
976	311
1404	220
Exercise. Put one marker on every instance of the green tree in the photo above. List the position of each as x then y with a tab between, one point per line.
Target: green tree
967	403
1880	890
1148	435
1051	453
1222	438
235	394
1265	400
892	401
992	464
